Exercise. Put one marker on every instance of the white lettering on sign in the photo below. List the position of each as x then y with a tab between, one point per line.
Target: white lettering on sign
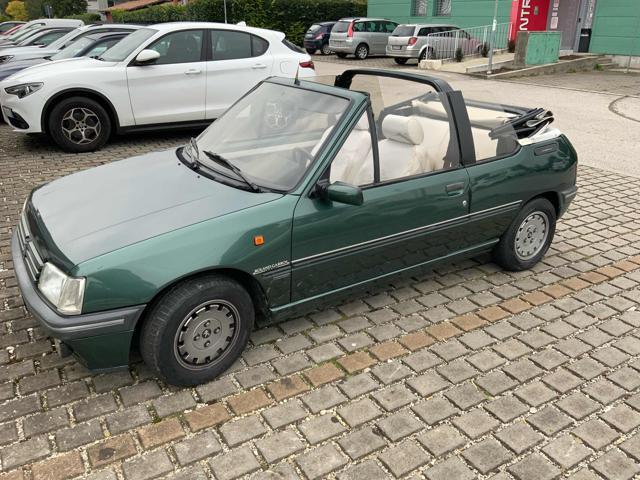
525	12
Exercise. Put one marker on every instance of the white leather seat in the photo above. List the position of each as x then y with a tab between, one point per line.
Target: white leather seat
400	152
354	162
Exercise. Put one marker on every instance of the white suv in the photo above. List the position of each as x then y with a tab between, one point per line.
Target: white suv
165	76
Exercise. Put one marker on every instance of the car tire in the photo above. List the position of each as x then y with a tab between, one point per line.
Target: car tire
310	51
177	335
341	55
400	61
325	50
79	124
362	51
427	53
528	237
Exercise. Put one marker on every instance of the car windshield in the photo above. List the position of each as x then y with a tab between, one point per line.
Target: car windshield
73	49
403	31
272	135
66	39
340	27
123	49
24	32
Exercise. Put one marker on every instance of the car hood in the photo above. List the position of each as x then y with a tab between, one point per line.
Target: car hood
28	52
106	208
40	72
12	67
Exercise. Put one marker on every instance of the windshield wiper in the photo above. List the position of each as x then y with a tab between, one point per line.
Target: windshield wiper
226	163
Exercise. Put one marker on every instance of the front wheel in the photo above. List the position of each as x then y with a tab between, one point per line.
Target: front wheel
325	49
362	52
310	51
79	124
528	237
400	61
341	55
197	330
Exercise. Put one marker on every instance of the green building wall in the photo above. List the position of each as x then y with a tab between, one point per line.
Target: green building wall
616	27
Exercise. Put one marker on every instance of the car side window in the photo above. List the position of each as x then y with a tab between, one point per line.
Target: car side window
353	163
179	47
360	27
230	45
47	38
425	31
391	27
259	46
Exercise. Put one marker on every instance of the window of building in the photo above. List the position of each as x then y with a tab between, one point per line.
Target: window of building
418	8
442	8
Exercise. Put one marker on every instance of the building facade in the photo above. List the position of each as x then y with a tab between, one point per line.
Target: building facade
597	26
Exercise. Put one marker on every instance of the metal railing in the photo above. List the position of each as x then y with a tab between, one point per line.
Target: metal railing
473	41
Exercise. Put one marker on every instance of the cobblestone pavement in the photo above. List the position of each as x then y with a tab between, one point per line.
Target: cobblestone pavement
463	373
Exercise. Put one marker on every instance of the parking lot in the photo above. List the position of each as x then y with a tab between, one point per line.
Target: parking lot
464	373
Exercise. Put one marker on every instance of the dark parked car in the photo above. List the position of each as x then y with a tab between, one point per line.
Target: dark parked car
299	194
317	38
88	46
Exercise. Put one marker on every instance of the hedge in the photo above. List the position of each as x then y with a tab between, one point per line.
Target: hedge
87	18
292	17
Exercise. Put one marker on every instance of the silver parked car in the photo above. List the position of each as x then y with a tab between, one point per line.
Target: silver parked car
360	36
412	41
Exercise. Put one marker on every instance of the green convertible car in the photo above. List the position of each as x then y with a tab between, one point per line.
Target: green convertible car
301	192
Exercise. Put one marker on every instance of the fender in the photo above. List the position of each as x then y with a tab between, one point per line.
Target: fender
111	109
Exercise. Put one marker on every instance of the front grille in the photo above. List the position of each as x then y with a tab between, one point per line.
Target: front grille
32	258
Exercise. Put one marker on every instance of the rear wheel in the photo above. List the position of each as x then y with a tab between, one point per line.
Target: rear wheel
325	49
79	124
341	55
528	237
310	51
400	61
362	51
197	330
427	54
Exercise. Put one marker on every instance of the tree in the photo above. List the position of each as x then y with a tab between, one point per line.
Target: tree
34	8
64	8
17	10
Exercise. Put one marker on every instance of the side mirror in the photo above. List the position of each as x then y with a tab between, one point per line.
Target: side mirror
342	193
147	57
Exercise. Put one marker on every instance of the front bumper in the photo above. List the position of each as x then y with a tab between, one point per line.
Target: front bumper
101	341
23	114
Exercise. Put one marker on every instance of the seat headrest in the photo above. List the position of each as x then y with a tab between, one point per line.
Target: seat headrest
402	129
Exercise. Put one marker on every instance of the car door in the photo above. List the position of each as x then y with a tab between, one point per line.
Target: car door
406	220
237	62
172	89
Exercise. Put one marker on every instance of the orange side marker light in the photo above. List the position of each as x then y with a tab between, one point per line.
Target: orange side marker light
258	240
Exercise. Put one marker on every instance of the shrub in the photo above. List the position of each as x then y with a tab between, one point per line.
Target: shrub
292	17
459	54
87	18
511	46
17	10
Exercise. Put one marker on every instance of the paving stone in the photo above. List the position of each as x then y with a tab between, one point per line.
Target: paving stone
234	464
94	407
319	429
475	423
201	445
111	450
603	391
127	419
578	405
434	410
80	434
535	393
54	419
626	377
368	469
534	467
427	384
549	420
615	465
287	387
320	461
512	349
451	468
362	442
148	466
506	408
562	380
357	413
255	376
293	363
519	437
487	455
239	431
495	383
421	360
67	393
399	425
622	418
250	401
293	344
567	451
323	398
394	397
486	360
391	372
280	445
323	353
63	466
457	371
586	368
207	416
610	356
170	404
356	362
284	414
595	433
449	350
441	440
404	458
25	452
632	447
358	385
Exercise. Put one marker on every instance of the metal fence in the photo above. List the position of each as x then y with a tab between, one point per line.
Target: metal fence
472	41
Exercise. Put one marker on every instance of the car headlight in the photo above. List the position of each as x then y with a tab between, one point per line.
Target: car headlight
5	58
65	292
24	89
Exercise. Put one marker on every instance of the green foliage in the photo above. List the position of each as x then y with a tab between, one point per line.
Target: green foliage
459	54
86	17
65	8
292	17
35	8
17	10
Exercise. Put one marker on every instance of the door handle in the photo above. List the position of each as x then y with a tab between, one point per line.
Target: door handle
259	65
454	188
193	71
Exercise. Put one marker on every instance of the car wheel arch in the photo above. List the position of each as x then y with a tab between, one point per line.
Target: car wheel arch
553	197
79	92
246	280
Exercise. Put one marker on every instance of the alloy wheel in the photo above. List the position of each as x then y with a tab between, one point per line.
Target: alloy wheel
532	235
81	125
362	52
206	333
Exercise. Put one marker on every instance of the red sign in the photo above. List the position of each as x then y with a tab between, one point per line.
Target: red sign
528	15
